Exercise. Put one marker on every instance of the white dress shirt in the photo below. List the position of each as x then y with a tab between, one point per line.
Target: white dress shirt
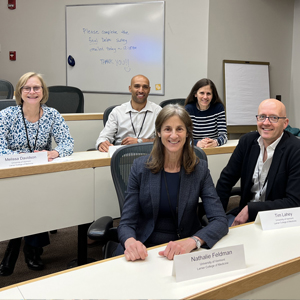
120	125
261	170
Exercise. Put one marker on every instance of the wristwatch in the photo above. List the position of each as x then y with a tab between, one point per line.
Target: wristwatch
139	141
198	243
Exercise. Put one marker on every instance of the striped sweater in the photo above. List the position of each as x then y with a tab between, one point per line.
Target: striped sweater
209	123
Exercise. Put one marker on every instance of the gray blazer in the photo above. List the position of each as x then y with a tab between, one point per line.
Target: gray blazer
141	205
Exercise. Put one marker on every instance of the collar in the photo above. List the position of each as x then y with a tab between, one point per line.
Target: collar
272	146
148	107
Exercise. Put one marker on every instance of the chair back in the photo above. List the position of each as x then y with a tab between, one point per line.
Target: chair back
122	161
179	101
107	112
66	99
200	153
4	103
6	90
120	166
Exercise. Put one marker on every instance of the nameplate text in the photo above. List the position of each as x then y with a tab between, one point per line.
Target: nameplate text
279	218
208	262
25	159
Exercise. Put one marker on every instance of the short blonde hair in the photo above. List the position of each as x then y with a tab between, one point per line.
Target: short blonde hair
22	81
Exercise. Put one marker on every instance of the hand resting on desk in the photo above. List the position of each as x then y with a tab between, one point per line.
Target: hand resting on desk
136	250
50	154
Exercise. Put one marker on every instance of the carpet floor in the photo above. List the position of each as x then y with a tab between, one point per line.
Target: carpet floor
56	256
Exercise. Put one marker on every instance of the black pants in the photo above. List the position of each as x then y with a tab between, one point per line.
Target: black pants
37	240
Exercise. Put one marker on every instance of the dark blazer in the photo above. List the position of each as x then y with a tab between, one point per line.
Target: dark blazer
283	187
141	205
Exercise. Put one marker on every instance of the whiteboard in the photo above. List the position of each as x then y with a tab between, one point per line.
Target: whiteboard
246	85
111	43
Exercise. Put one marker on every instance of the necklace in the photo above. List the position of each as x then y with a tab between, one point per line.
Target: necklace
141	126
37	131
174	216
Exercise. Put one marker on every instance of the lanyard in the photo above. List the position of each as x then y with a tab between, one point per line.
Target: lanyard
37	132
141	126
175	217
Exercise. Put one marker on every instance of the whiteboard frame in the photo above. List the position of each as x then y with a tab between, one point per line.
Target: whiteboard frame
162	93
241	128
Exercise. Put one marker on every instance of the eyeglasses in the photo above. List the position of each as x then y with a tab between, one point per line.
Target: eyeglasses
272	119
27	89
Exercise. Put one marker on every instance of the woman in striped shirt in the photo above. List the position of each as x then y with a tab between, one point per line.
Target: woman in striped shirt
207	113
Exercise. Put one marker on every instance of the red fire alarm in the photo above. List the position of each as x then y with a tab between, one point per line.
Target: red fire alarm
12	55
11	4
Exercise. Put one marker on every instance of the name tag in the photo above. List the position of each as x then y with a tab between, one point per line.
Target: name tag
208	262
279	218
25	159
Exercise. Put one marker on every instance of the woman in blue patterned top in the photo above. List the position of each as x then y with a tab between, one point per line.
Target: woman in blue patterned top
207	113
29	127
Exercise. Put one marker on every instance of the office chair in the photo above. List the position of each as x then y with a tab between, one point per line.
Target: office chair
105	118
66	99
179	101
106	113
7	102
102	229
6	90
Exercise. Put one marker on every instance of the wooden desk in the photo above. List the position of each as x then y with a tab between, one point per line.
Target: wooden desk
272	271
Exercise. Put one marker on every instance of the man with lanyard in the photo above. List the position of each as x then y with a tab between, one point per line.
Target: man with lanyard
268	164
132	122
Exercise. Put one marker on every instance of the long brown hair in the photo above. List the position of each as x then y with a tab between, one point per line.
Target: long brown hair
198	85
157	155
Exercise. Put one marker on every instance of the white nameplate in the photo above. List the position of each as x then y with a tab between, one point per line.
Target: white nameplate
208	262
25	159
279	218
112	149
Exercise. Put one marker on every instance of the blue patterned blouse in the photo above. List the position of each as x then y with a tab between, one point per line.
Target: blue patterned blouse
13	134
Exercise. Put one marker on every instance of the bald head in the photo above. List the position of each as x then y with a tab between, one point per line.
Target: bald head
275	105
271	131
137	77
139	89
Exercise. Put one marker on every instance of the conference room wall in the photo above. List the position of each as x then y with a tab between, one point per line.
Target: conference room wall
36	31
199	35
254	30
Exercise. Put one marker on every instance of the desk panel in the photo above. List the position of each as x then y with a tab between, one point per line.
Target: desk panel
106	200
44	202
84	129
284	288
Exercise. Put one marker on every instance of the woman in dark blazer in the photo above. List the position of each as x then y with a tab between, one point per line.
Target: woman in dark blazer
163	193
